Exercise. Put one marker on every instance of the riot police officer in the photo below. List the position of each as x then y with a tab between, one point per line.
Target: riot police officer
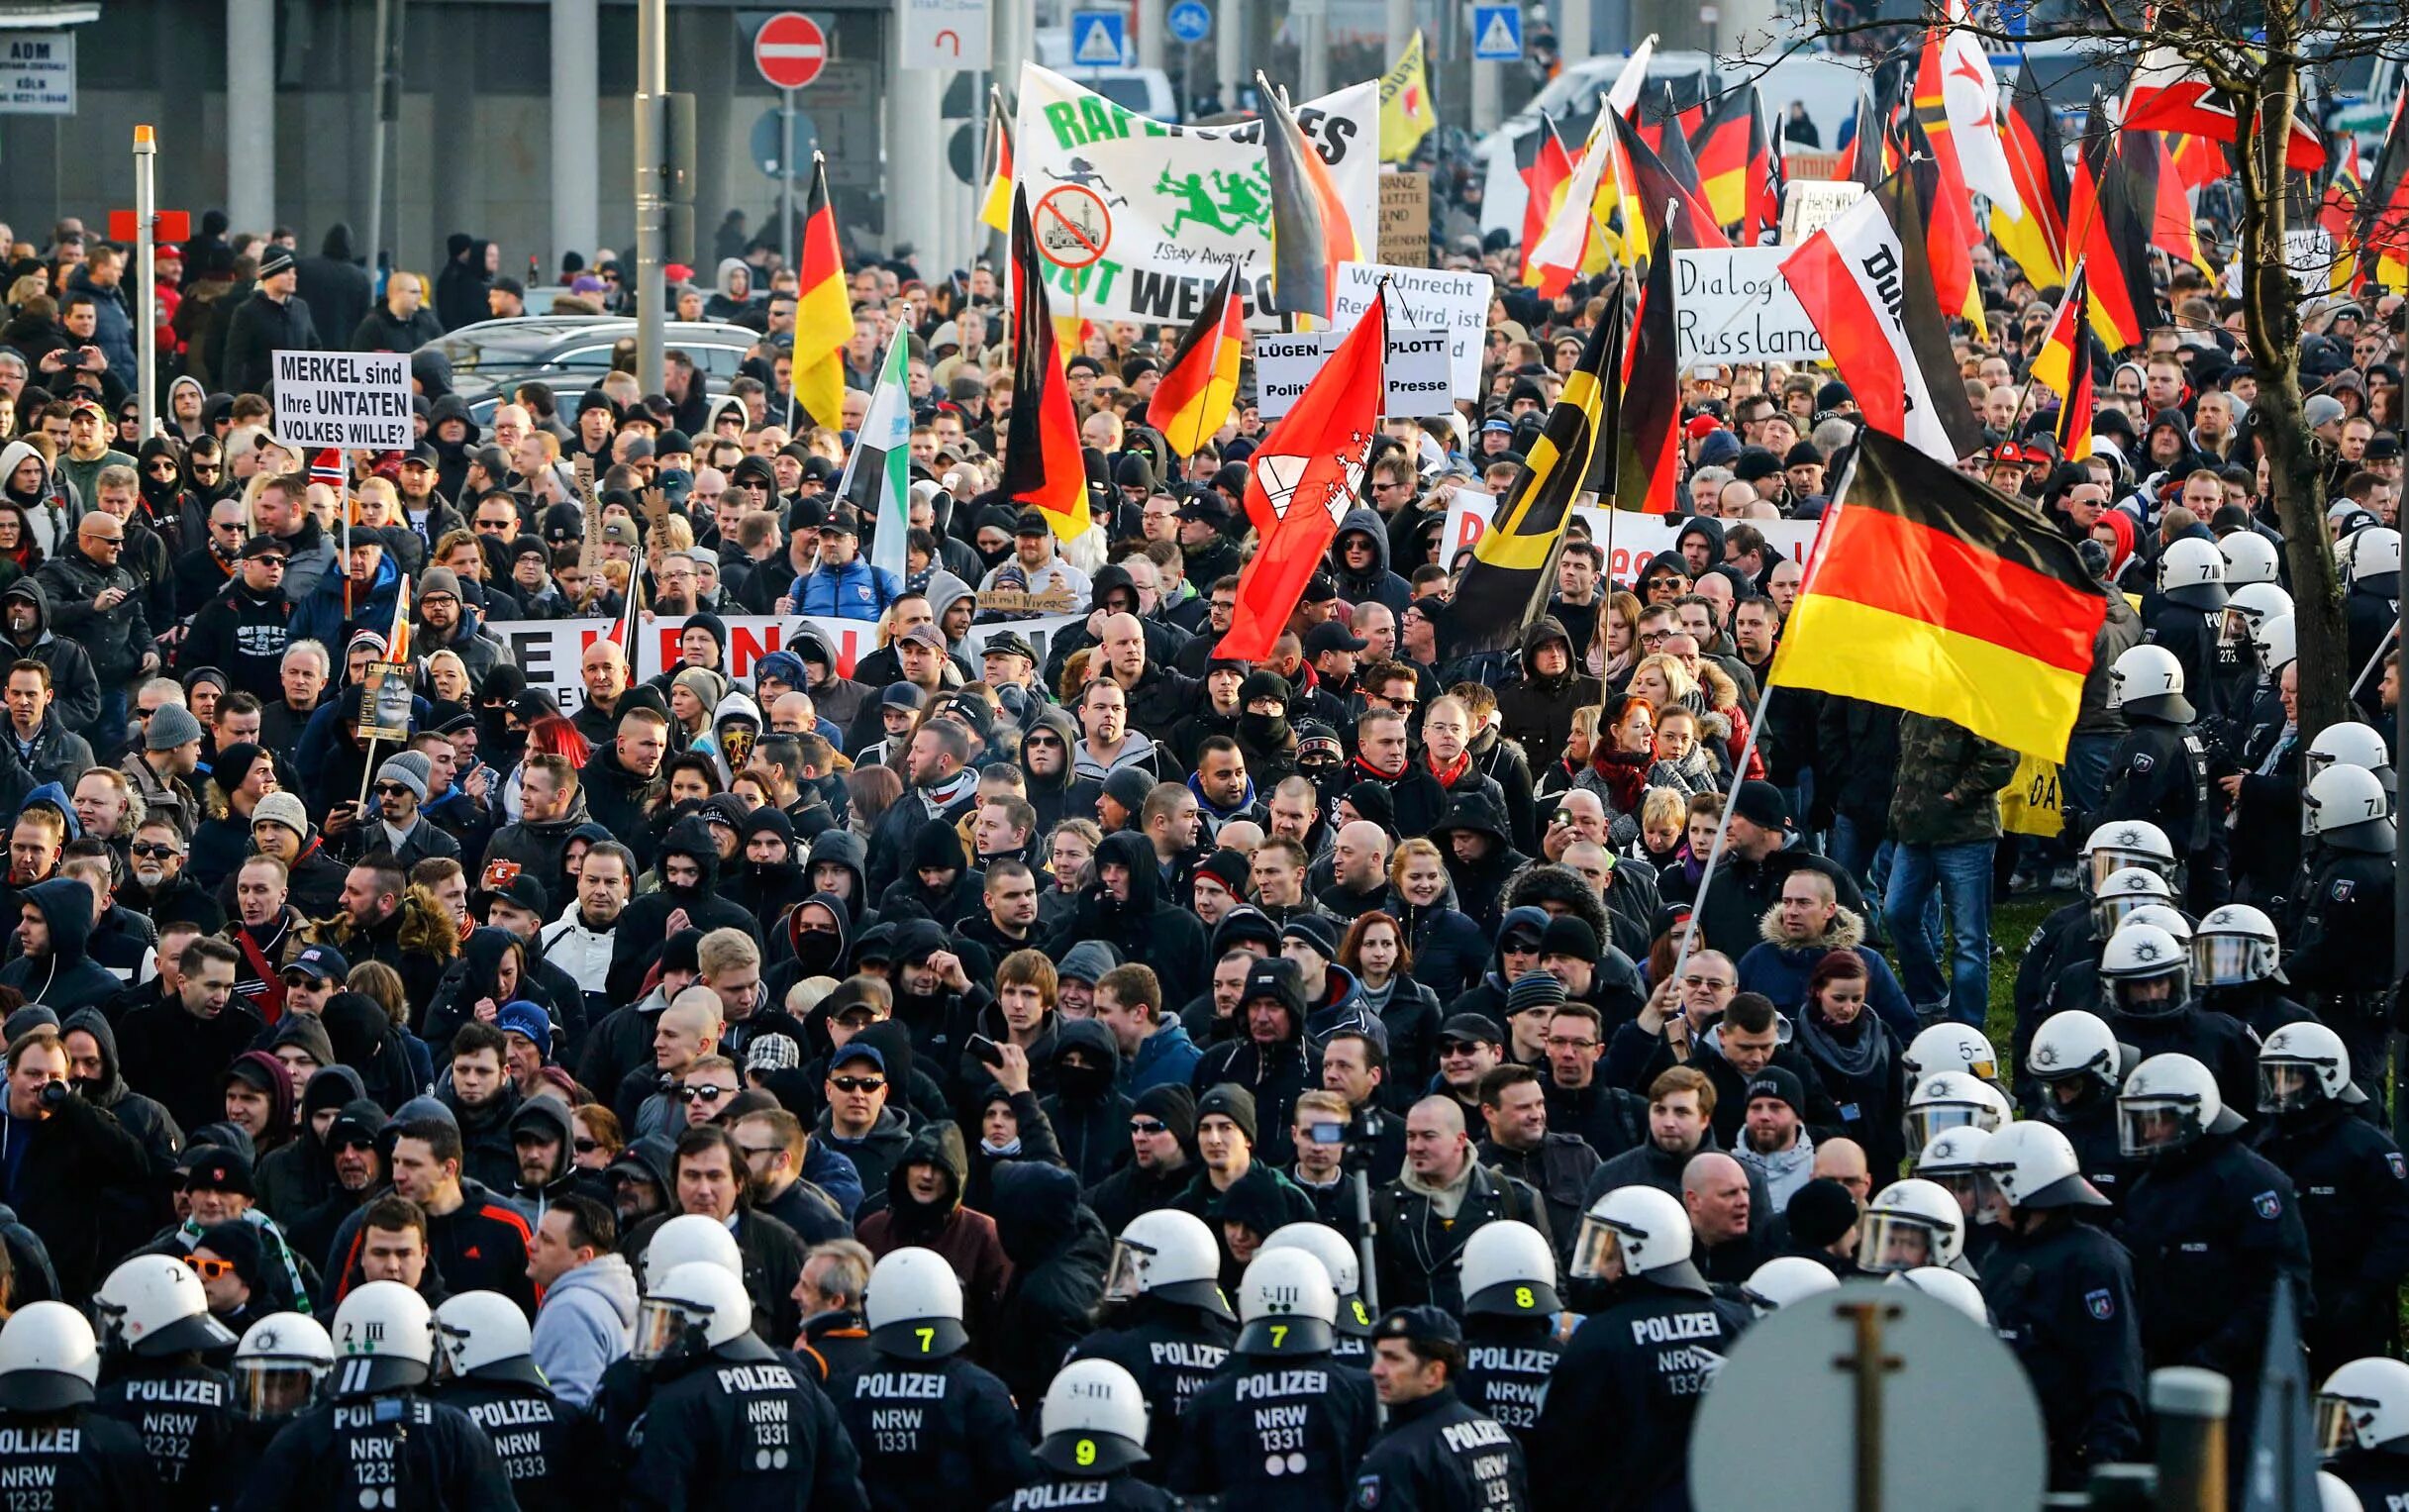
2077	1064
2234	954
1627	1389
934	1430
2339	954
2353	1184
279	1367
619	1401
1909	1225
2061	1294
484	1365
2150	1007
1784	1279
154	1326
2363	1429
1510	1310
732	1422
50	1365
2079	984
1440	1452
2068	933
1168	1325
1284	1426
1948	1046
1094	1430
2160	770
1350	1335
2372	606
2188	620
1953	1161
375	1440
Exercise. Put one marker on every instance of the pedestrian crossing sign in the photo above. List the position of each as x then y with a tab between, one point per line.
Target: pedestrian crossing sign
1497	34
1096	39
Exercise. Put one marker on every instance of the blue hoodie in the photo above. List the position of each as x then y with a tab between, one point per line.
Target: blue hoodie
321	618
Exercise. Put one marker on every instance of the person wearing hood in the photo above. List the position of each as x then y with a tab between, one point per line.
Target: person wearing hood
40	495
1058	1254
298	1176
1515	954
335	287
135	1210
1537	709
924	1208
467	275
940	885
1359	557
1479	855
543	1146
1333	1002
736	728
1088	1113
1123	906
55	968
1271	1058
689	866
1111	591
838	699
770	881
940	784
1052	785
447	624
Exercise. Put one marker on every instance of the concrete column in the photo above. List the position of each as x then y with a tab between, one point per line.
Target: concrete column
1487	107
576	167
1573	29
915	149
1401	21
250	114
1311	21
1235	49
1151	26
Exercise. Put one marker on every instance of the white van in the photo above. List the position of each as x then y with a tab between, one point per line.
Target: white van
1147	91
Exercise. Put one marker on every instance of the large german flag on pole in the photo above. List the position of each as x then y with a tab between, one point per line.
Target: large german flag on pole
2037	161
1043	467
1311	231
824	314
1932	592
1650	422
1512	572
1193	396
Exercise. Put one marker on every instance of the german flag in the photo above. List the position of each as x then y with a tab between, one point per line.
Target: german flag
1644	185
1544	178
2158	187
2063	345
1650	444
1512	574
1043	467
995	209
1868	157
1952	233
2037	161
1724	151
1674	152
1311	231
2382	235
2111	233
2073	428
1935	593
1768	180
824	314
1193	396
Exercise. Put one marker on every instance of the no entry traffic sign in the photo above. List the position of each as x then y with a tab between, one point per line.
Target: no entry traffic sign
791	50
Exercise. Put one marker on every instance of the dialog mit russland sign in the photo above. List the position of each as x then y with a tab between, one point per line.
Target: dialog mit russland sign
355	400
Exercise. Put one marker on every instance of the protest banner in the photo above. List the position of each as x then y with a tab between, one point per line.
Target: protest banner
1284	364
1146	215
357	400
1637	537
1730	303
1810	204
1405	219
1426	299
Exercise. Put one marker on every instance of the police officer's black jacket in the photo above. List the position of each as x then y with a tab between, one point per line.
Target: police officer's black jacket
2354	1189
2380	1479
2062	1296
1122	1493
2062	938
1278	1433
2159	772
742	1426
183	1413
356	1451
1173	1350
935	1434
80	1457
2346	905
2210	1227
1506	1367
1625	1394
2217	1040
546	1447
2099	1153
1441	1453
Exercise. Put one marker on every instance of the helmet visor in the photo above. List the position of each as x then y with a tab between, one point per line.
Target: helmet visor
2337	1420
1126	1277
2109	912
2227	960
661	1326
2287	1086
269	1390
2155	1126
1889	1242
1597	1252
2107	860
2149	997
1926	1122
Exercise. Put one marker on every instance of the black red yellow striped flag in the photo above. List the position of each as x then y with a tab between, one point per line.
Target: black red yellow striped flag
1194	394
1043	467
1933	592
1651	430
1543	179
2037	161
1726	153
1311	231
824	313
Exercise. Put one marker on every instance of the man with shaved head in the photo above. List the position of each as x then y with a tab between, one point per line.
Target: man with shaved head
1579	815
1716	1191
1358	867
1158	697
1438	1200
1843	1160
688	1029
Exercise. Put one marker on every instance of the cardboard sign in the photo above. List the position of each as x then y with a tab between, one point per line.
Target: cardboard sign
385	697
1636	536
1405	219
1425	299
1811	204
357	400
1730	303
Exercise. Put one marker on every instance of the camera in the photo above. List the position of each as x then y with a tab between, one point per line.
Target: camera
55	1094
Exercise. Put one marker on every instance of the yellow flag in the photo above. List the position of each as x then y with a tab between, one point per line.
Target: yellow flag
1405	104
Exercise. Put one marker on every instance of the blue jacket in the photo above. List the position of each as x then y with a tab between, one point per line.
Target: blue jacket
856	591
1780	971
320	617
112	328
834	1172
1164	1057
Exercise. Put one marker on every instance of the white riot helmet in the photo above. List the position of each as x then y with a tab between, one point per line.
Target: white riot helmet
2123	891
1171	1254
1286	1304
1093	1420
1949	1047
49	1358
2168	1103
1953	1100
2235	945
2148	679
2333	1494
2348	809
2251	607
2146	969
2249	560
1509	1272
2347	744
1948	1287
279	1366
2162	916
482	1335
689	1312
152	1305
2033	1165
1910	1223
2124	842
2191	572
2362	1405
2302	1064
2278	645
1953	1161
686	1239
2375	562
914	1305
2074	1042
385	1336
1339	1259
1784	1279
1633	1231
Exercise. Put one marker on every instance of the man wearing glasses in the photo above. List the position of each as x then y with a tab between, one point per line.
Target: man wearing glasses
857	1122
97	604
244	629
203	572
776	1147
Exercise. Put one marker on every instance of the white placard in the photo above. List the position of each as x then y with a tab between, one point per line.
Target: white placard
1284	364
1810	204
39	76
1415	373
945	33
1637	537
355	400
1427	297
1730	303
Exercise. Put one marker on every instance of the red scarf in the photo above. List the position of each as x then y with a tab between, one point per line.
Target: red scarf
1454	770
1376	775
